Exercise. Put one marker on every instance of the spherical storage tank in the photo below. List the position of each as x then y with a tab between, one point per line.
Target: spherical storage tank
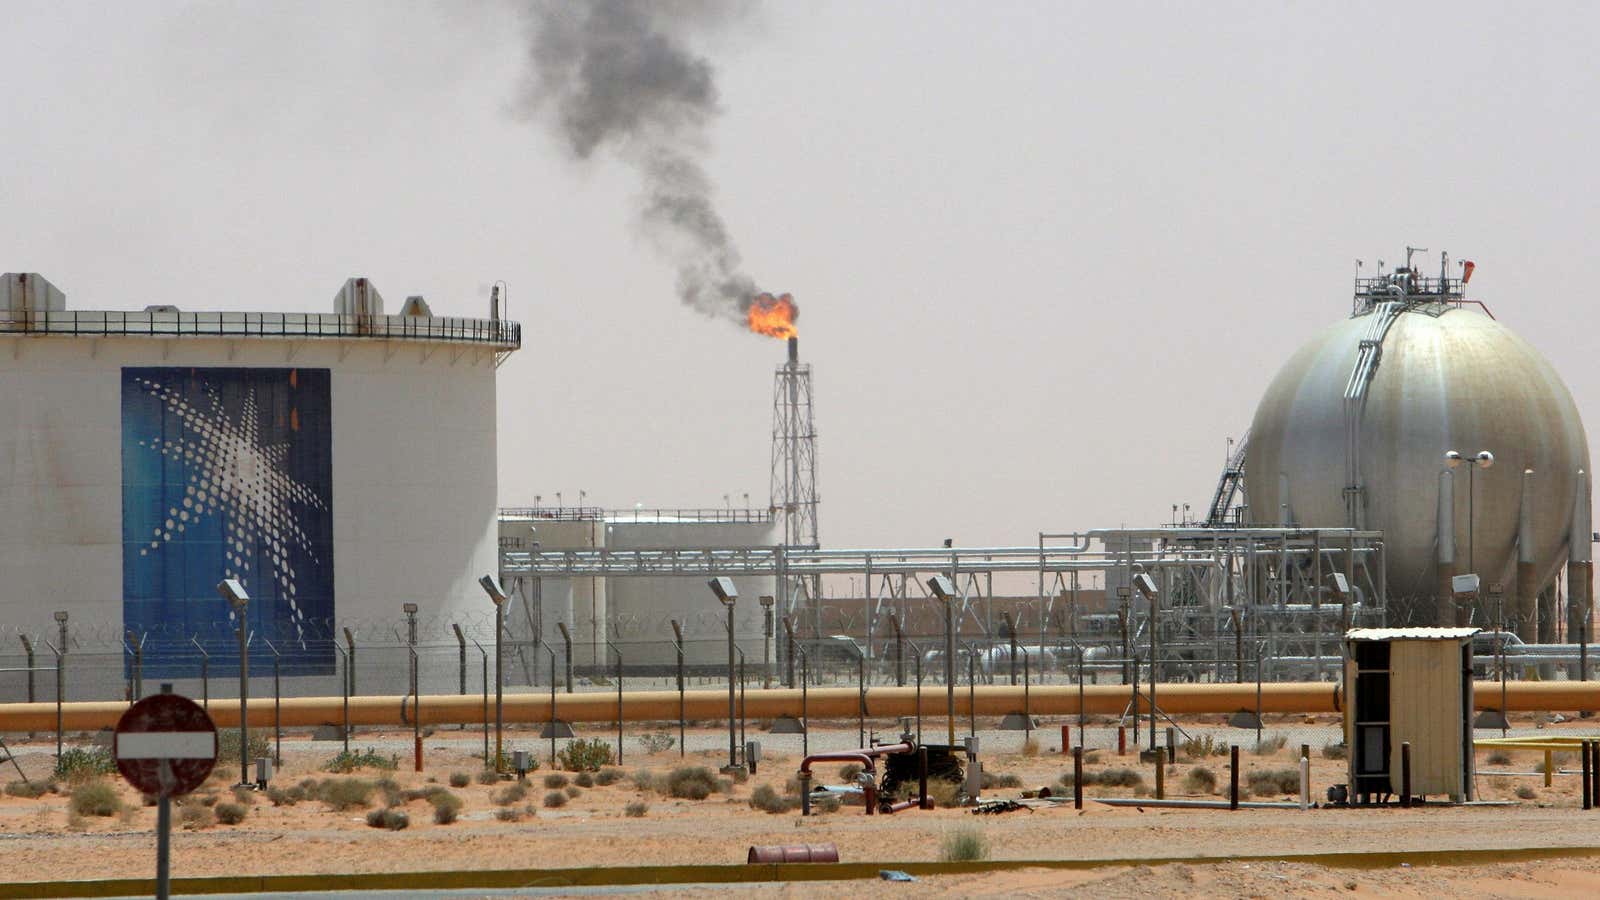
1354	431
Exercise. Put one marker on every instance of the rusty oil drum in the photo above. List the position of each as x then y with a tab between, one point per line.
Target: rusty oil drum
794	853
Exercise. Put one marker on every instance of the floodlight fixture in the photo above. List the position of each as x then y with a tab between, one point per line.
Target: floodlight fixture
1145	584
61	616
1341	586
410	608
1452	459
491	586
1464	585
942	587
1484	459
723	587
232	591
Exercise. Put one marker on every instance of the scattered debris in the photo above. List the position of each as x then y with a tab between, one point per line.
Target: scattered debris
996	807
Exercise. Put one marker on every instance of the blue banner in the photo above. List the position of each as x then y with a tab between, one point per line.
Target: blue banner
227	473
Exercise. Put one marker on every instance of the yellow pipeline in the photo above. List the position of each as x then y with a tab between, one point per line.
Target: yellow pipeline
824	703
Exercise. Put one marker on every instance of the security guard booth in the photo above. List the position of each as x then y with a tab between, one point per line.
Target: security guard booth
1409	685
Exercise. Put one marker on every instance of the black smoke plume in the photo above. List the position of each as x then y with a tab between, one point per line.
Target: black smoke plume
620	76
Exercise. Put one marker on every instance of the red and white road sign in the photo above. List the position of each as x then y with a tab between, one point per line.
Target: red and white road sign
165	732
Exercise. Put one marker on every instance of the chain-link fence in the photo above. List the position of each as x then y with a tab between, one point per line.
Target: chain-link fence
378	659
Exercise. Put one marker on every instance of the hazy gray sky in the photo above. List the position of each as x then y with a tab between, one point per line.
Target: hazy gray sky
1048	254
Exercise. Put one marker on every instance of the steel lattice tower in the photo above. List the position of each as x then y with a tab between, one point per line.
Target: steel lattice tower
794	451
794	482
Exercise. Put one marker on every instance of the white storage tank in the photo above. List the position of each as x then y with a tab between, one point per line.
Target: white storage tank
635	612
338	464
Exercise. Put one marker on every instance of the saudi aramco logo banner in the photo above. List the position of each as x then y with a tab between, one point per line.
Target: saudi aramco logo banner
227	473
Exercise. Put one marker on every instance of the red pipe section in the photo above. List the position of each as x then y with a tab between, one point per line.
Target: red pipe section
865	755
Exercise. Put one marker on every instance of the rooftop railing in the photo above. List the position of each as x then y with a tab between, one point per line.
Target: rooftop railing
498	333
702	515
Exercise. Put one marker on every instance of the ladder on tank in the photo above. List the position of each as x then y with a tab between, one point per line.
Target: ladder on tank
1229	486
1368	354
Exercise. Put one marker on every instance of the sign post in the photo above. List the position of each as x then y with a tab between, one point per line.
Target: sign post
165	745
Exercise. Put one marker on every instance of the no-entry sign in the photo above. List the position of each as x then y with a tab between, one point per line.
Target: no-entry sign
165	728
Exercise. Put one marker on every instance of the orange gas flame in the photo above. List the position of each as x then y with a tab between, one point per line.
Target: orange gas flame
773	316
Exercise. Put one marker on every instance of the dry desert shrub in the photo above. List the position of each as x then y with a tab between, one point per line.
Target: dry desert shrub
1270	744
691	783
95	798
1273	781
393	794
346	793
392	819
767	799
30	790
427	792
964	843
1120	777
289	796
1200	780
513	793
657	742
193	816
446	807
231	813
944	794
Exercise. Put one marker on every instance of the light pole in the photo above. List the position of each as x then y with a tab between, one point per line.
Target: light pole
942	588
497	596
767	601
723	587
1147	587
416	698
232	591
61	677
1483	460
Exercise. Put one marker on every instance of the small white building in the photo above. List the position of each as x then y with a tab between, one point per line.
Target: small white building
1409	686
